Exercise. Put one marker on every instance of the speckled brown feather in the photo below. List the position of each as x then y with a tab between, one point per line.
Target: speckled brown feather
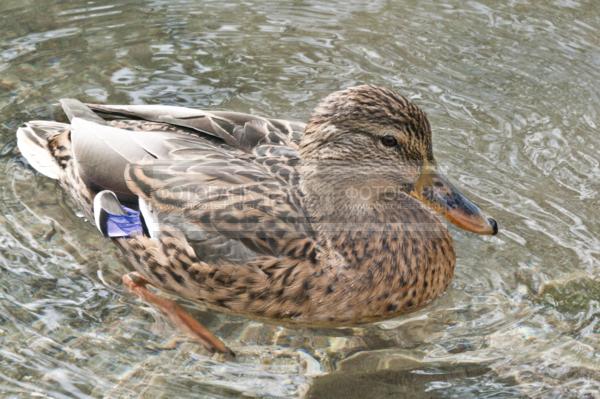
256	218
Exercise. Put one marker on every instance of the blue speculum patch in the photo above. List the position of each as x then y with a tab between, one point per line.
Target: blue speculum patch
126	225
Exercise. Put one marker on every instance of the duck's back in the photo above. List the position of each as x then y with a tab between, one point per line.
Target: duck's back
225	182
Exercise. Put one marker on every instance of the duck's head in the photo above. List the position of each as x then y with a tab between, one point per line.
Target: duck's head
374	144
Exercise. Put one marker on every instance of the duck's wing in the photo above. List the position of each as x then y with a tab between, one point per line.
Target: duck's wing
236	129
221	196
231	202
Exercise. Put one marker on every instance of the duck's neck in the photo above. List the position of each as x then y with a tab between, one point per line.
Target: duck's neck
395	254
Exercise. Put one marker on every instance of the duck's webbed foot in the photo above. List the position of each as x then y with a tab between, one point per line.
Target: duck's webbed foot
179	316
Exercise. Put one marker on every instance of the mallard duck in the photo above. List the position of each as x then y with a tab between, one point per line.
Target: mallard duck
329	223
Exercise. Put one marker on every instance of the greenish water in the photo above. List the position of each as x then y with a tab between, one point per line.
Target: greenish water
512	92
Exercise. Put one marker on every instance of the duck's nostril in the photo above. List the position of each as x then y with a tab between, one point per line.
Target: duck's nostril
494	226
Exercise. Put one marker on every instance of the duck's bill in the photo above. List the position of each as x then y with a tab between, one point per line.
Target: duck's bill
438	193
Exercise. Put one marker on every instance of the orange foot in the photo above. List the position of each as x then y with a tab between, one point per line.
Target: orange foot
179	316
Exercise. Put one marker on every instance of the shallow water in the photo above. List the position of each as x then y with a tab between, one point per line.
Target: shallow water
512	93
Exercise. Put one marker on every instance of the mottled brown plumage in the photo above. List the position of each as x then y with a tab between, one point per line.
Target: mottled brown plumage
328	223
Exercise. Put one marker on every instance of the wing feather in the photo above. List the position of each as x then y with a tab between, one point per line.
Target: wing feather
239	130
225	181
229	196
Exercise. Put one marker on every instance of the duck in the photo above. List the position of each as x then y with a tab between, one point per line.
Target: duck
334	222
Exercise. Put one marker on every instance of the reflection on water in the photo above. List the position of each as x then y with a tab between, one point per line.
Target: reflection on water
512	93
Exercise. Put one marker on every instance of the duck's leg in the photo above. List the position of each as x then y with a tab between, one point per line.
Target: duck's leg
180	317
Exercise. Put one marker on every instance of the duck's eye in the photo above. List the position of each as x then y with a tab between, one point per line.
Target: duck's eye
389	141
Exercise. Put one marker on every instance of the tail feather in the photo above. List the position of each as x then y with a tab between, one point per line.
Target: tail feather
76	109
33	142
41	144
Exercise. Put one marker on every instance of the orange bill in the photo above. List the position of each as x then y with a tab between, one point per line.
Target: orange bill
438	193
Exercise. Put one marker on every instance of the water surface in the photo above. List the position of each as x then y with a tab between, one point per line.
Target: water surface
512	93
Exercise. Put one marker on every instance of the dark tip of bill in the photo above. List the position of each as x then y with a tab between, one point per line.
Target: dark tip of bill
494	226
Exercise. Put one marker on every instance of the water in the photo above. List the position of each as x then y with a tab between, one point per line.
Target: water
512	94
